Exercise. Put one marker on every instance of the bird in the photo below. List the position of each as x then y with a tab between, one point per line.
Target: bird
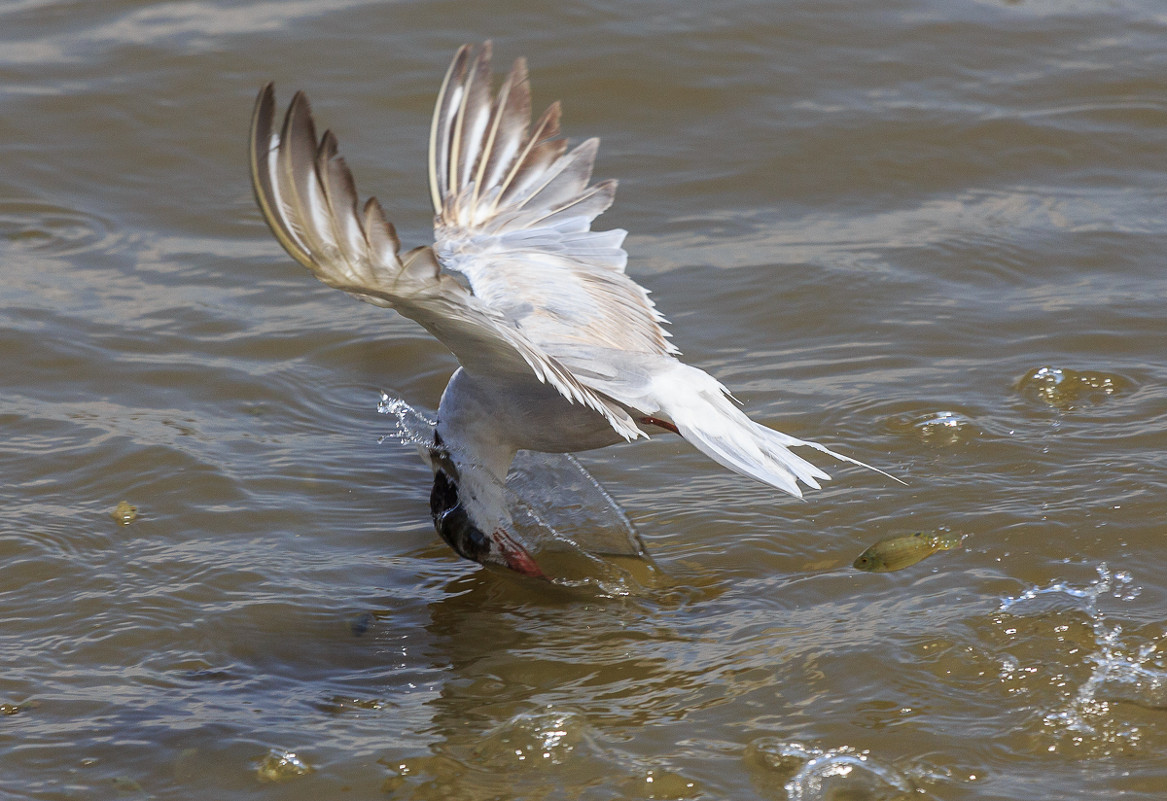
559	349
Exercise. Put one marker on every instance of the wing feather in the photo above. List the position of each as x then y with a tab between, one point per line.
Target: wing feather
537	151
439	155
513	215
546	296
510	112
309	199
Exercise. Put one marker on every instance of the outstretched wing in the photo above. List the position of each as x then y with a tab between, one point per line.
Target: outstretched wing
514	213
307	195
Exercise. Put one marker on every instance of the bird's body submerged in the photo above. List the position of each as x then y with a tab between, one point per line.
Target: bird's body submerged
560	350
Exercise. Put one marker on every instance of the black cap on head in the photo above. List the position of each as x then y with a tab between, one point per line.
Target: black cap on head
452	522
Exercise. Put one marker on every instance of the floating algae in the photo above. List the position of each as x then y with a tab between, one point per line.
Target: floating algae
124	513
16	709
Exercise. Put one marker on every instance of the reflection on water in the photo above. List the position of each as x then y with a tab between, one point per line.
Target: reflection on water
928	234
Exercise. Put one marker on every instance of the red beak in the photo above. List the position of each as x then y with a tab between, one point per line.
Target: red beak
516	557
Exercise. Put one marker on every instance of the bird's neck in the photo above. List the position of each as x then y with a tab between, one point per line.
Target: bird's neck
478	453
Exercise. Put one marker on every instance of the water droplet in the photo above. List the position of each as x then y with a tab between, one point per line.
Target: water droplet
278	765
551	736
945	428
1106	667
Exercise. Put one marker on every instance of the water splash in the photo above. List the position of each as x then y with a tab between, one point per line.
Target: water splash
278	765
941	429
844	772
1121	667
560	513
1066	389
1120	585
944	428
534	754
549	736
413	428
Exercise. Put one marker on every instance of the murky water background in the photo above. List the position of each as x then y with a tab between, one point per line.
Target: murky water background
928	234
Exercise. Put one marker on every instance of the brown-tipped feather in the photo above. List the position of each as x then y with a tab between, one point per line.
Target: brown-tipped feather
439	149
262	120
309	199
473	117
539	149
379	232
514	212
513	113
295	159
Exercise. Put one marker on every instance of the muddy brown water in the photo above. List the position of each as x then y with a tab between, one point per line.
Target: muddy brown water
928	234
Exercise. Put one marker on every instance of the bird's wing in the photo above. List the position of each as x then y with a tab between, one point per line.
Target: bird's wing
307	195
514	212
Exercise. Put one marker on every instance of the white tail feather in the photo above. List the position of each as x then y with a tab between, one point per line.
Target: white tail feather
704	415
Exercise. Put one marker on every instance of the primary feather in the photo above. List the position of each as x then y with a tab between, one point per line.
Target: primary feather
308	197
514	209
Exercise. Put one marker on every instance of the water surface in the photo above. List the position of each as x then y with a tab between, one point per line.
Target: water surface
928	234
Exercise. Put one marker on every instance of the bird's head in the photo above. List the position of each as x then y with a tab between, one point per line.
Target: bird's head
466	503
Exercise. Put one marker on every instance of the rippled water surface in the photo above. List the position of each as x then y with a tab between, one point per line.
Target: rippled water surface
928	234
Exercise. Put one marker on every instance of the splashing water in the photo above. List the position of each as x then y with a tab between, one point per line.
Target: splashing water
1120	585
1121	668
560	513
944	428
817	773
1067	390
549	736
413	428
279	765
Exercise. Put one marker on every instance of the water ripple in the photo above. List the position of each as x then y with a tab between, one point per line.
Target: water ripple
47	229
